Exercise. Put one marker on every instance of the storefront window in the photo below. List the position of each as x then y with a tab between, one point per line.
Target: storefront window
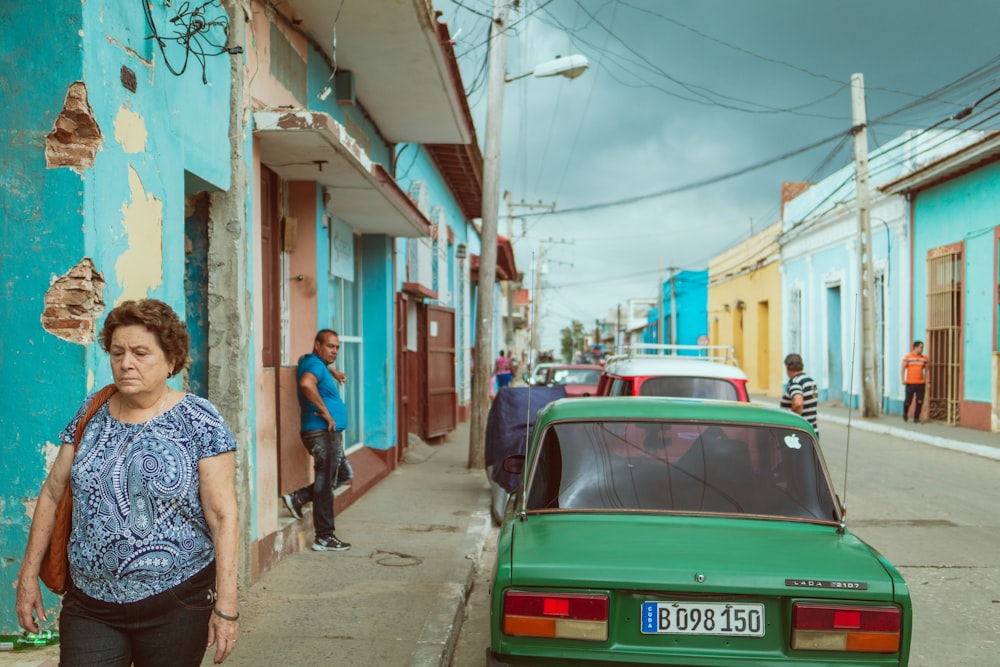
346	320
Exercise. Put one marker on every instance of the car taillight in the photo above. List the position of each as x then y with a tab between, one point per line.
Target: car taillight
829	627
558	615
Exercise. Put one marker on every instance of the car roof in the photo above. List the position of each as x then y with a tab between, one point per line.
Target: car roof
575	367
673	365
601	408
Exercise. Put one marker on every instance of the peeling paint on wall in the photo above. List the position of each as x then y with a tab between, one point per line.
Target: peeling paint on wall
75	137
140	267
74	302
130	131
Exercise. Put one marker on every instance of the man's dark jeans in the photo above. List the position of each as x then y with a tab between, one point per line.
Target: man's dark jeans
332	470
913	393
169	629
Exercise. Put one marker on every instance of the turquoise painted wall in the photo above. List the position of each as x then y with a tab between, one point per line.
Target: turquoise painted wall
415	164
378	306
965	209
171	128
41	235
691	299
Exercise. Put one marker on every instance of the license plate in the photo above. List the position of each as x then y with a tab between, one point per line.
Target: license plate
703	618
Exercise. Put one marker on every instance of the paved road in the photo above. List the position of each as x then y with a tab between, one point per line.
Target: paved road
931	511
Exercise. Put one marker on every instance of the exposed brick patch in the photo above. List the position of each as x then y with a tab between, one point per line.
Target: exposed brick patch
74	302
790	190
75	137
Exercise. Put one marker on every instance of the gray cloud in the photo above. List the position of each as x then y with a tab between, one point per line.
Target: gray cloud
684	91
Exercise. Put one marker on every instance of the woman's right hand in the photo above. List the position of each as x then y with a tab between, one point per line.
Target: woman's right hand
29	603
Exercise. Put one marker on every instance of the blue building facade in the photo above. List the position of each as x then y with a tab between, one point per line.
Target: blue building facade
955	208
102	164
820	268
261	193
685	311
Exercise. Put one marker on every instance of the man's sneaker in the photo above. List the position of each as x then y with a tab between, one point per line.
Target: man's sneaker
330	544
292	507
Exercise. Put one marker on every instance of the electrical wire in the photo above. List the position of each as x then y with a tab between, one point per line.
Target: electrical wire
701	95
194	33
694	185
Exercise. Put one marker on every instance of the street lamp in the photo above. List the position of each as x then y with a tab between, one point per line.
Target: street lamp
570	66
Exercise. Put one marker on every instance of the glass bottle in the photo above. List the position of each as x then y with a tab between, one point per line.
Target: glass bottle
28	640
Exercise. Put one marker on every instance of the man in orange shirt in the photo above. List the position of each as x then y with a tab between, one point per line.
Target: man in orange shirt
914	380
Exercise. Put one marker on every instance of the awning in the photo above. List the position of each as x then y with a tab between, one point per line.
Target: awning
309	146
506	268
402	59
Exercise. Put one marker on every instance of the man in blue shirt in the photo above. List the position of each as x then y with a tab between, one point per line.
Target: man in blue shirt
324	418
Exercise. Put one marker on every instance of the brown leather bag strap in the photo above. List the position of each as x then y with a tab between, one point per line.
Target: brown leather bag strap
100	398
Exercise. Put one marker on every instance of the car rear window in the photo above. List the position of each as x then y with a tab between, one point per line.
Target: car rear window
690	387
681	467
575	376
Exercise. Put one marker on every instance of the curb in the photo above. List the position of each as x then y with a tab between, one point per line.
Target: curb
437	639
933	440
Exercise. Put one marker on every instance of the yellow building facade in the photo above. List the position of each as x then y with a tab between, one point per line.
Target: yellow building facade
744	308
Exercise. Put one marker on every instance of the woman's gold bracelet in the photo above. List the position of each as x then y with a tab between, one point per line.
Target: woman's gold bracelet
226	616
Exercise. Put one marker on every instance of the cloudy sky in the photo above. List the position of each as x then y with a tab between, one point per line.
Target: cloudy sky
680	92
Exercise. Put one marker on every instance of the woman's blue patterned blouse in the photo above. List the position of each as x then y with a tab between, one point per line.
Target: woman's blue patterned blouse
138	524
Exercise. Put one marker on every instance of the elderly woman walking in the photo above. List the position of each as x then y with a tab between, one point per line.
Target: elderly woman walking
153	547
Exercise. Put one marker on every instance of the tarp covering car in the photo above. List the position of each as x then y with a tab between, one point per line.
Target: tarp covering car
511	417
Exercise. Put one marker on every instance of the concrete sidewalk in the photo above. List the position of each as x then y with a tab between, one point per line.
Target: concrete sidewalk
397	597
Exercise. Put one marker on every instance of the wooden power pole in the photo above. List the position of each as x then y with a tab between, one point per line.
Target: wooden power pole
496	71
871	404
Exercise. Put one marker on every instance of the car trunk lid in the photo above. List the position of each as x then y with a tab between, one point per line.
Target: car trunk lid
695	554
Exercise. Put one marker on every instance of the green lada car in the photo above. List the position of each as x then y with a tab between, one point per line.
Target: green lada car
658	531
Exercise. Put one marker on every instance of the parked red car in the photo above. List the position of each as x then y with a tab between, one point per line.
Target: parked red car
578	379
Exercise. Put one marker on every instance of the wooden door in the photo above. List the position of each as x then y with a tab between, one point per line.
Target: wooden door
438	397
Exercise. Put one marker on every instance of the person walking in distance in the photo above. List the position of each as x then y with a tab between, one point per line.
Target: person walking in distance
801	396
914	380
323	418
503	371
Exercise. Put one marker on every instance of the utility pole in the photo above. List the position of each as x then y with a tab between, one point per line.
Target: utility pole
511	343
619	338
663	315
673	306
536	297
870	400
488	254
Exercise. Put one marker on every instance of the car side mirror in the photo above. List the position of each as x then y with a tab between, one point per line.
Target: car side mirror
526	378
514	464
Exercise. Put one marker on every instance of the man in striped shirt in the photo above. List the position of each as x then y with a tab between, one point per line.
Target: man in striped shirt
800	392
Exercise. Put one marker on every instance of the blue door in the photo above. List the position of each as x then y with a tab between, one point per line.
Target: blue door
834	360
196	292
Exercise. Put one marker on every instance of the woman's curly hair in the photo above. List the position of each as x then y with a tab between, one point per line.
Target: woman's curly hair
161	320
